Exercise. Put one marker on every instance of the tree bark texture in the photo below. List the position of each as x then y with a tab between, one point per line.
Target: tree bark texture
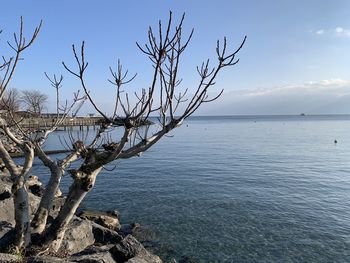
77	192
40	218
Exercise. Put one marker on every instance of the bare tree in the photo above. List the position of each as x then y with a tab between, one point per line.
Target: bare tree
34	101
132	117
163	98
10	100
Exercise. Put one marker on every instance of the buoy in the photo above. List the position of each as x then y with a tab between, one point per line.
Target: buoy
335	141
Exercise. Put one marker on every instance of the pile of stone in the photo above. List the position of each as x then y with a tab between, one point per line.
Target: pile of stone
10	146
91	237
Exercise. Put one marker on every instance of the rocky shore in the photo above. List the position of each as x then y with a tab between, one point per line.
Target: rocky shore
92	236
10	146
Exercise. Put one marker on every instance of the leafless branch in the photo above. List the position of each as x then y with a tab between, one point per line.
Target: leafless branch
20	44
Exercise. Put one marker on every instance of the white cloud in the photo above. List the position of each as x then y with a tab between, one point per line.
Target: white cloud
338	31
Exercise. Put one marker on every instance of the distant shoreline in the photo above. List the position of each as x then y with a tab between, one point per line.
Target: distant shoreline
274	115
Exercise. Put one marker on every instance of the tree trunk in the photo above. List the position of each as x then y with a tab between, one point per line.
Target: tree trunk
40	218
22	219
77	192
21	204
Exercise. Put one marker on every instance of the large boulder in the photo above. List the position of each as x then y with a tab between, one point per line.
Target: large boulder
48	259
9	258
33	180
130	248
104	235
35	186
141	233
34	202
5	227
100	257
114	213
6	201
102	218
78	236
94	254
7	212
7	235
5	190
57	203
137	260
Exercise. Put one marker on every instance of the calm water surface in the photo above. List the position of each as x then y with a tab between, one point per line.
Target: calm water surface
238	189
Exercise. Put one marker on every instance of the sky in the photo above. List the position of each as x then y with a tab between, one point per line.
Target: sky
296	58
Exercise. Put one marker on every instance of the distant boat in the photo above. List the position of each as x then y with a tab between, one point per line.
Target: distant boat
302	114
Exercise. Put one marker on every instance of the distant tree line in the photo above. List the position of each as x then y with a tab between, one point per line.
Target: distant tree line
33	101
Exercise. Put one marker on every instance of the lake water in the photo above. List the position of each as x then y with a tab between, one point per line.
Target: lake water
238	189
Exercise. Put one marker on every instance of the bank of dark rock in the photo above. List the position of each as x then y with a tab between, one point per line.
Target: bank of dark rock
91	237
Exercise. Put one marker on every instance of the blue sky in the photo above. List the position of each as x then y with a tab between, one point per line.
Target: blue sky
296	58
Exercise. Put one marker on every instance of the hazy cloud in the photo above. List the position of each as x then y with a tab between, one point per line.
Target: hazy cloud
338	31
314	97
342	31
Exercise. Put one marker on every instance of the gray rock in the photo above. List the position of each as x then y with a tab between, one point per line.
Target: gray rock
56	206
114	212
7	212
4	195
104	235
4	228
36	190
33	180
58	193
93	250
102	218
9	258
98	257
130	248
47	259
92	254
35	186
34	202
5	178
78	236
7	235
5	191
141	233
136	260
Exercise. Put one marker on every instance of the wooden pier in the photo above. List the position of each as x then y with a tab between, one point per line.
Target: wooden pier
68	123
